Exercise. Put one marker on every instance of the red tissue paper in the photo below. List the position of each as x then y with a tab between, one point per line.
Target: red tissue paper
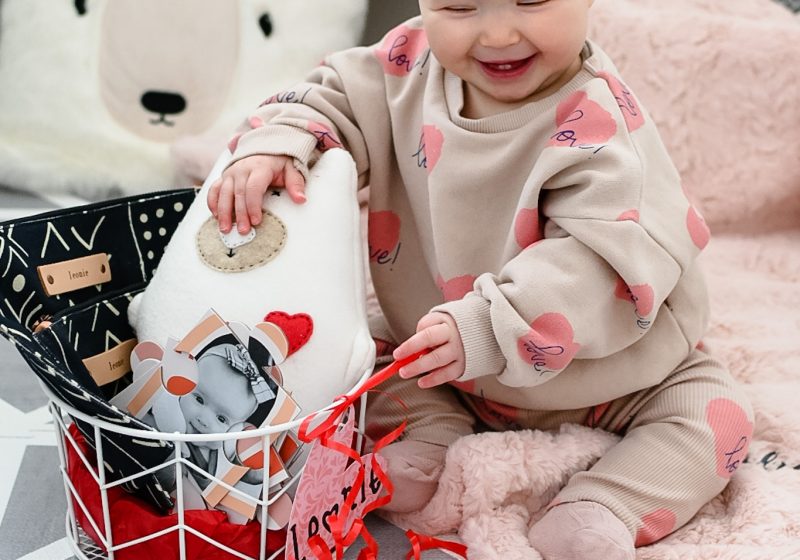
132	518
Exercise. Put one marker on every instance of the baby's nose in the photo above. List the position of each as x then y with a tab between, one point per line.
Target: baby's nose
499	32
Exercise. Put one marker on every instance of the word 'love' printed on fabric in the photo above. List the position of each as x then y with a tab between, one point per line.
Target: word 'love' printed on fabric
568	135
287	97
398	55
539	355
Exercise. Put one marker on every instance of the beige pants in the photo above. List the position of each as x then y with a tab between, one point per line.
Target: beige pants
681	442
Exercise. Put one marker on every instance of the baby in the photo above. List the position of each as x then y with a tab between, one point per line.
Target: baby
528	226
228	392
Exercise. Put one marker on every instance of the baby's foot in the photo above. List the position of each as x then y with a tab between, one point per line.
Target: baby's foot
581	531
414	468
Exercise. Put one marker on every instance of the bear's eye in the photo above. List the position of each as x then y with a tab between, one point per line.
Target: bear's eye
265	22
80	7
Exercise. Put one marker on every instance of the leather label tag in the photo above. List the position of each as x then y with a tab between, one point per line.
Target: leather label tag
111	364
68	276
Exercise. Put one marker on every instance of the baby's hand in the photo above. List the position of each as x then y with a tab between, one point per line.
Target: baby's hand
445	362
238	194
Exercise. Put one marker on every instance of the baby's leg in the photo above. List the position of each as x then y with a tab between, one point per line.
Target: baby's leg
683	441
436	418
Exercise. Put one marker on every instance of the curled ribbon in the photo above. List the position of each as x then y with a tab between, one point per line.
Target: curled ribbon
324	432
420	543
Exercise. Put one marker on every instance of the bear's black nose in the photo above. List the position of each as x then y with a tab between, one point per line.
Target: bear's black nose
163	102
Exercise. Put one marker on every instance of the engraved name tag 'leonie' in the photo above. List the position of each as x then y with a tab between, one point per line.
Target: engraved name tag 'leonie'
68	276
111	364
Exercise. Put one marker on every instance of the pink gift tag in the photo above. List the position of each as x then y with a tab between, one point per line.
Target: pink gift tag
322	490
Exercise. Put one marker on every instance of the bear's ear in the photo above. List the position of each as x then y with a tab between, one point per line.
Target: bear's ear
80	7
265	22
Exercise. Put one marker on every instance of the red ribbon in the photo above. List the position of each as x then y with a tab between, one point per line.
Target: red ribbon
324	432
420	543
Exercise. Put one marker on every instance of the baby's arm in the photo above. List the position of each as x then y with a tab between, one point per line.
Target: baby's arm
289	131
615	247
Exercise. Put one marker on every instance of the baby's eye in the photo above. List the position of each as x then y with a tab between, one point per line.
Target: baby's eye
531	2
222	419
199	399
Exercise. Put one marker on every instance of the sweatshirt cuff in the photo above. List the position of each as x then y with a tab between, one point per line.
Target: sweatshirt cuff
474	322
278	140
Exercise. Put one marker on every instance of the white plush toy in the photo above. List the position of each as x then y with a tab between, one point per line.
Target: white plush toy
302	271
96	94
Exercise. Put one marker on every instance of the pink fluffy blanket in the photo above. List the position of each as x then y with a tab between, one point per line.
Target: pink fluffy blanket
724	88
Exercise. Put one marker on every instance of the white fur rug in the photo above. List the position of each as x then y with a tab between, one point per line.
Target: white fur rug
495	485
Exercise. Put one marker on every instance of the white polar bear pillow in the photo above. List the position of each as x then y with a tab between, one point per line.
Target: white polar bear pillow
302	271
101	98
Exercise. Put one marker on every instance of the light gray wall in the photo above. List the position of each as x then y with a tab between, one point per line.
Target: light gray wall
385	14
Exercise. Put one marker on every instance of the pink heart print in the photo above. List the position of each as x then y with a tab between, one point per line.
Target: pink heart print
733	431
582	123
403	50
455	288
383	234
432	140
628	106
549	346
655	526
698	230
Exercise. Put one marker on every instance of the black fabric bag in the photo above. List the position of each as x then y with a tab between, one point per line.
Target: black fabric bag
132	233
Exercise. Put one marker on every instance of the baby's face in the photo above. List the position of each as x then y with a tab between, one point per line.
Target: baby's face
508	52
222	398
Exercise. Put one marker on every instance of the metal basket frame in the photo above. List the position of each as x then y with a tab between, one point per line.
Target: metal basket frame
86	549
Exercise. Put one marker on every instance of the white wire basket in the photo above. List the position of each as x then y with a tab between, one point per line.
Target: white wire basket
109	547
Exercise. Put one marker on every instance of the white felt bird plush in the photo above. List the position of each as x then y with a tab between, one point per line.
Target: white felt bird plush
302	271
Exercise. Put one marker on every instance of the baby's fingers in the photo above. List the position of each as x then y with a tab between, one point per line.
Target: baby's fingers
257	184
429	337
440	376
225	204
439	357
294	182
213	196
240	203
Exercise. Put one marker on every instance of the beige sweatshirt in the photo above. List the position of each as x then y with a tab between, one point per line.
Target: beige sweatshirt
557	234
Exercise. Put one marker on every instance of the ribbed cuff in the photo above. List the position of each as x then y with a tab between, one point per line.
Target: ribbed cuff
278	140
482	352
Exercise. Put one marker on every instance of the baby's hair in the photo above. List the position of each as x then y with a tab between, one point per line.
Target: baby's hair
239	359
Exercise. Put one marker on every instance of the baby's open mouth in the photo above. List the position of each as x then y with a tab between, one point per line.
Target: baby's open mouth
507	68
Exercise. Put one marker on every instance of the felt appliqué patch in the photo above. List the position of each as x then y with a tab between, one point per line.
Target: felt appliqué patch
269	240
298	328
